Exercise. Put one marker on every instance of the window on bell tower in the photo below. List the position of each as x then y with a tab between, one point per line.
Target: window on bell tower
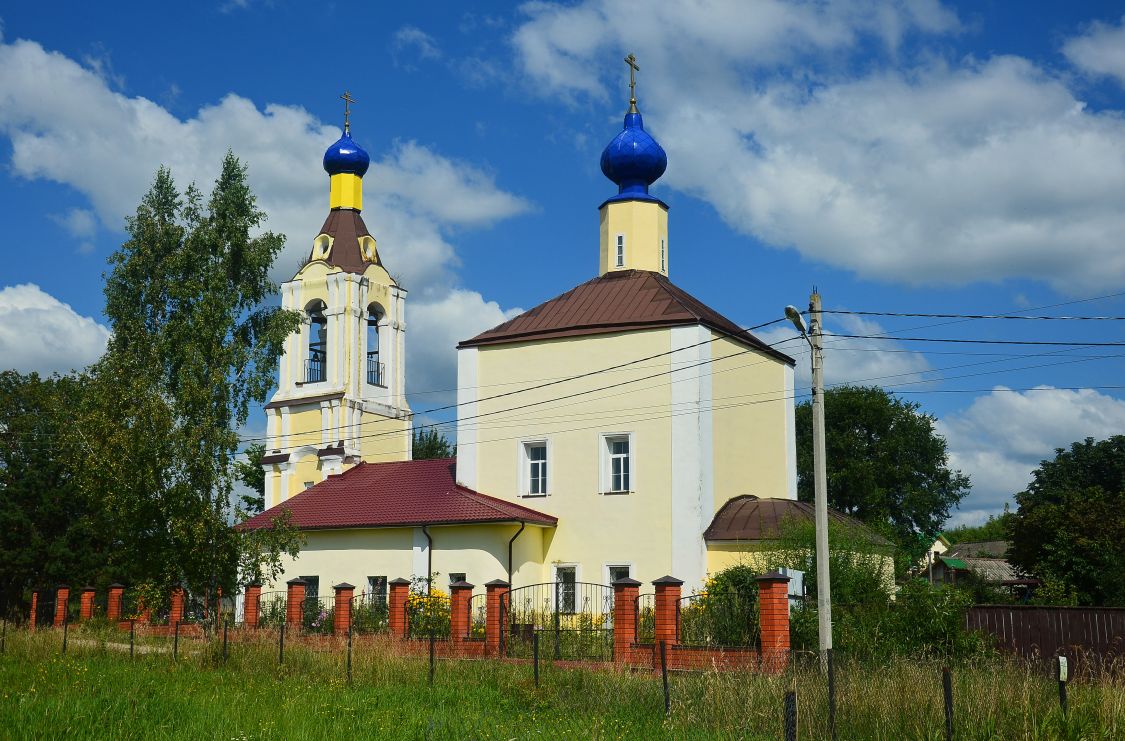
375	375
317	356
620	250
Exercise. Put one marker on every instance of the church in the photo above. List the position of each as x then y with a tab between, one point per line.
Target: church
622	428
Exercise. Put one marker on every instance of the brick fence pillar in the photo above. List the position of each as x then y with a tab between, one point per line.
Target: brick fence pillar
62	602
342	615
294	602
251	605
399	592
667	608
34	610
113	602
176	608
773	610
460	593
496	590
86	604
624	618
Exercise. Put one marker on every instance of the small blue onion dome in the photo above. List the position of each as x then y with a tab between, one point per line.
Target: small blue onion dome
346	156
634	160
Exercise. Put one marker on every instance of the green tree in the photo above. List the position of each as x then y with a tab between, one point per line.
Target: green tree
886	465
429	443
253	477
1069	528
51	531
994	528
194	344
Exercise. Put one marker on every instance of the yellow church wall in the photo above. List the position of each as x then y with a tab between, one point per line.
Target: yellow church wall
351	556
595	529
749	412
643	224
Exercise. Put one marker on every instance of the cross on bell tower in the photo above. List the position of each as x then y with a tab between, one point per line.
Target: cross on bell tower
348	100
631	60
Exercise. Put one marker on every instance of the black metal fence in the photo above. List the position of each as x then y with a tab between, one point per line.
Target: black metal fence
719	619
370	613
573	619
478	617
645	619
271	609
427	614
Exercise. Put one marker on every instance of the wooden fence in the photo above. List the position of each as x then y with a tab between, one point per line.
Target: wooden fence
1079	633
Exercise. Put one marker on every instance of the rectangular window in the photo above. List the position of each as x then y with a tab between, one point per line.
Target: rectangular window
565	587
312	586
618	572
309	484
620	250
377	588
535	468
618	463
662	267
456	577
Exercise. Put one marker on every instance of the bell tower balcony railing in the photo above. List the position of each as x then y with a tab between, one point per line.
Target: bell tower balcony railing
374	370
314	368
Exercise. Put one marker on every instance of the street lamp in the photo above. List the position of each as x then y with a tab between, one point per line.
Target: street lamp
813	336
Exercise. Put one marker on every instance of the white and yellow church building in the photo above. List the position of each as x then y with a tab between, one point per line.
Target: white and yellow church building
622	428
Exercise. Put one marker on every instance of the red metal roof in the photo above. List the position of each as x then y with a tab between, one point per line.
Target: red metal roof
399	494
615	302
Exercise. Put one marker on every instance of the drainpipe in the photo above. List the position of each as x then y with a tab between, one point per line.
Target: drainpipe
429	558
510	543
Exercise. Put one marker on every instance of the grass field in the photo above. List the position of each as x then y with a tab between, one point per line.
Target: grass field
97	691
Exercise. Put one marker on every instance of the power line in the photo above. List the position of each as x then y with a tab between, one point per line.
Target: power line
976	316
974	342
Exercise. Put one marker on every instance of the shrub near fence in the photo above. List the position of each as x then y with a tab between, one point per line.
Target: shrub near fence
370	613
271	609
719	618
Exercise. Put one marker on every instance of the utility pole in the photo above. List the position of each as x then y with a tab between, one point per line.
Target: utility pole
820	482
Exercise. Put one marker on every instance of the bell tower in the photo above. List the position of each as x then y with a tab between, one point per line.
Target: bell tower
341	395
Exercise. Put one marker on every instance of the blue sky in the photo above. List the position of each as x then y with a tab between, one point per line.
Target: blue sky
911	157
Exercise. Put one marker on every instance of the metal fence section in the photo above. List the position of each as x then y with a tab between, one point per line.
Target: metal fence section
645	619
719	619
45	608
271	609
574	620
370	613
427	614
317	614
478	617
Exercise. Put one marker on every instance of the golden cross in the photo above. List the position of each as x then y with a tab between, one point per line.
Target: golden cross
631	60
348	100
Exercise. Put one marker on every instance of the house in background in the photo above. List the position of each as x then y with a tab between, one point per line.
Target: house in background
985	561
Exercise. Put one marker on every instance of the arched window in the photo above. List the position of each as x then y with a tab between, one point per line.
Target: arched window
318	342
374	367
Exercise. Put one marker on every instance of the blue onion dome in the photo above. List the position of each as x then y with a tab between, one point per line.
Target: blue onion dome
634	160
346	156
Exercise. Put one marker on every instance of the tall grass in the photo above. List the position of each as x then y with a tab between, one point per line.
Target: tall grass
97	691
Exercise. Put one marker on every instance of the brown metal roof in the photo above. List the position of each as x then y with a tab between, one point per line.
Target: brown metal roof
749	518
616	302
346	226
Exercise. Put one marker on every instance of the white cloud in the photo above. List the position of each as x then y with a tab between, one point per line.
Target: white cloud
431	364
416	41
81	224
40	333
107	146
1001	438
917	173
1101	50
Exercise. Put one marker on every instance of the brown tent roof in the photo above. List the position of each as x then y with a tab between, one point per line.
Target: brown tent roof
615	302
346	226
749	518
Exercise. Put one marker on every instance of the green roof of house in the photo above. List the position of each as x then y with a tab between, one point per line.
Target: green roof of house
954	563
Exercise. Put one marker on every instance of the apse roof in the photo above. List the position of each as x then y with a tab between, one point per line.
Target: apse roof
749	518
618	301
396	494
